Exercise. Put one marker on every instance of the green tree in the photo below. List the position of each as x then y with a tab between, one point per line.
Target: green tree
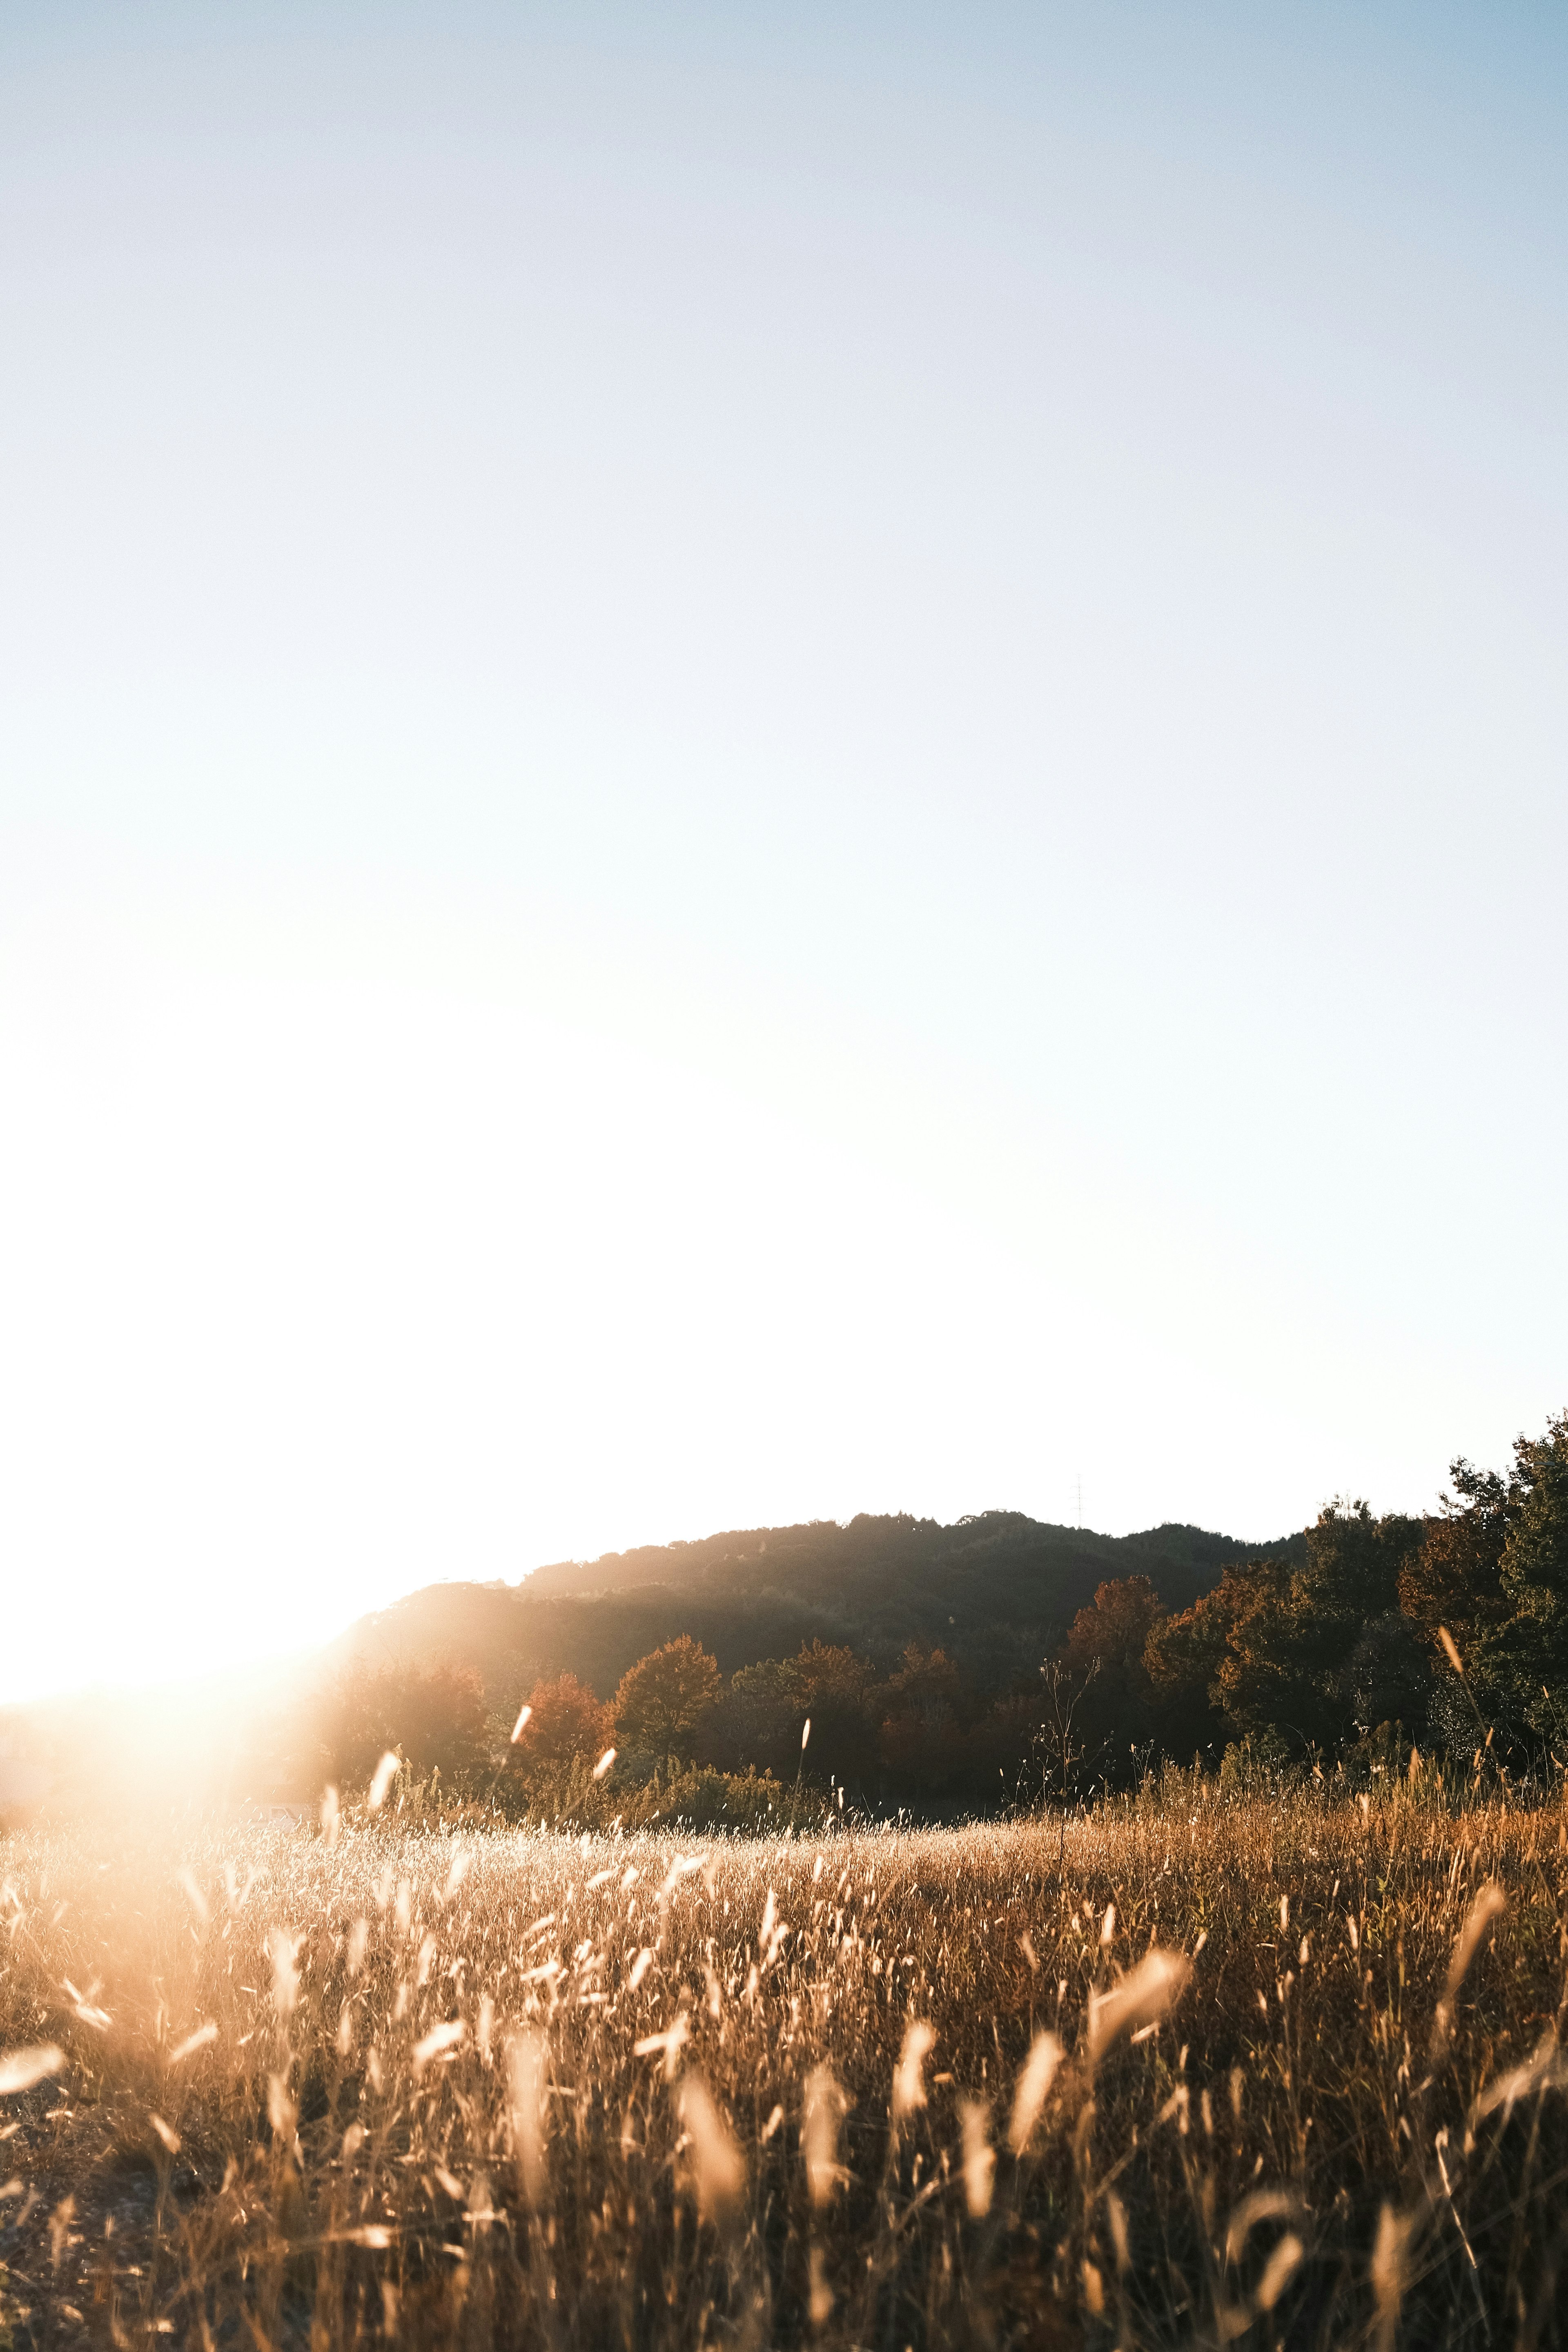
1527	1654
663	1699
1183	1655
433	1716
756	1722
1455	1578
1262	1680
1109	1637
921	1738
835	1691
1295	1661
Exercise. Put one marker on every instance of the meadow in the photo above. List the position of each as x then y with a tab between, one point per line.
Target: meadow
1192	2067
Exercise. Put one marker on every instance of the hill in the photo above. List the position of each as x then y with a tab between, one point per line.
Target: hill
992	1590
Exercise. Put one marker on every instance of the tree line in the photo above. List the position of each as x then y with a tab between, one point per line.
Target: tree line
1373	1633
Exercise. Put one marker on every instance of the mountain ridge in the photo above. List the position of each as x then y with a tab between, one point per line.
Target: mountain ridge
990	1588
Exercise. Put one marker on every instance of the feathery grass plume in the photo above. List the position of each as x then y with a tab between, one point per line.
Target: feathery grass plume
353	1956
461	1858
525	2058
519	1727
1390	2273
819	2295
908	2086
604	1764
1141	1999
639	1969
185	1878
1546	2071
824	2108
1277	2271
1489	1901
1039	2072
717	2163
60	2221
283	1951
805	1733
20	2069
671	2042
166	2133
381	1780
330	1814
548	1937
439	2038
979	2159
1451	1648
280	2111
1262	2205
1116	2214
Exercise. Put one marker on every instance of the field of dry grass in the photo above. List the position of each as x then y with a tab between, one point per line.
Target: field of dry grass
1276	2072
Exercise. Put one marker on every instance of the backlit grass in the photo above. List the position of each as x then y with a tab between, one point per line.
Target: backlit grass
522	2088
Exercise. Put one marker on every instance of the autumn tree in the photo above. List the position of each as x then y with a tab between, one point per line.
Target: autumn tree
1114	1629
566	1724
662	1700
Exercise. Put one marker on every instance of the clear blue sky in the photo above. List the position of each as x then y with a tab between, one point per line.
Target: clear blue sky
758	762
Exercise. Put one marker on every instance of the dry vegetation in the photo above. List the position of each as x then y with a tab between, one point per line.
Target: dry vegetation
876	2089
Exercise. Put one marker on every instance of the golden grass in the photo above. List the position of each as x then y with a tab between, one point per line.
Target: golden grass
1263	2071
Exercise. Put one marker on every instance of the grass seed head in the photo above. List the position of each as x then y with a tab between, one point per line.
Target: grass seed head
192	2043
21	2069
979	2160
908	2086
717	2164
1489	1902
525	2062
1039	2072
1389	2273
283	1951
824	2105
1142	1998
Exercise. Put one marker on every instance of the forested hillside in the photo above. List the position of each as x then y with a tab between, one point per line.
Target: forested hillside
993	1592
896	1662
